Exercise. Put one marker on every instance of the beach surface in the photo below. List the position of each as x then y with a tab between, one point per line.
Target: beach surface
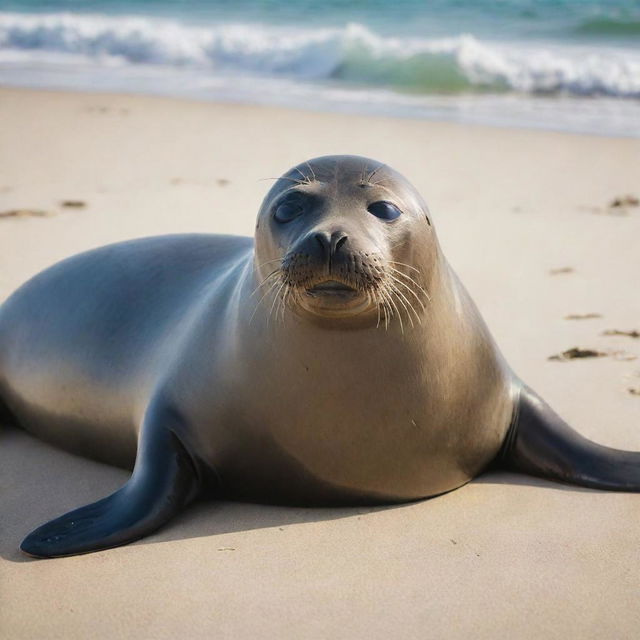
530	222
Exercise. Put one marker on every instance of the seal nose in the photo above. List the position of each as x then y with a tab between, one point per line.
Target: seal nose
330	244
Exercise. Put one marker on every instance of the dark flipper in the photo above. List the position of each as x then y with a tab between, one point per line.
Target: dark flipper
540	443
163	482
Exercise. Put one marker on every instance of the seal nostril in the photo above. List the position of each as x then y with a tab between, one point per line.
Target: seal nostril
324	241
338	239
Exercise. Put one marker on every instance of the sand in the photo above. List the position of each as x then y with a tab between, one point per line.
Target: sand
523	217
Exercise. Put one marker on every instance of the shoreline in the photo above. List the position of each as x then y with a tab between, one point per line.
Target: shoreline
465	110
526	218
9	89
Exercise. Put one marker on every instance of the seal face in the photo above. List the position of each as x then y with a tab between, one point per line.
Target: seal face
336	358
336	233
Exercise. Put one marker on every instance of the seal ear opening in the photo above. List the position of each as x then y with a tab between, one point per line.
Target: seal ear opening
427	213
541	443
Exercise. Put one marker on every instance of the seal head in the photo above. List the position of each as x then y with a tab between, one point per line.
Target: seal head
338	238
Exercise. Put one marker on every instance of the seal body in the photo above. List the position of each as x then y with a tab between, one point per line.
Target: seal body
335	359
284	411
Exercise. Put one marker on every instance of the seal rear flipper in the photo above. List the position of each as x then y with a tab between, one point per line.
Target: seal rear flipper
540	443
163	482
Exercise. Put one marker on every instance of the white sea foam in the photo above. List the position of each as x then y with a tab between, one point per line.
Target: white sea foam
352	55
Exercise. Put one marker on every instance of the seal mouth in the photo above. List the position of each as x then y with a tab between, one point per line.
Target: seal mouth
359	284
332	288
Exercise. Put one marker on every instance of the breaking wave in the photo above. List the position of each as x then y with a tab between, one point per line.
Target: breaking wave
353	55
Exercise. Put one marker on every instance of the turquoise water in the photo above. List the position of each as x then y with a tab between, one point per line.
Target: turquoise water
561	64
606	20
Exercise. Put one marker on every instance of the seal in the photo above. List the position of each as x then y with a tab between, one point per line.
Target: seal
335	359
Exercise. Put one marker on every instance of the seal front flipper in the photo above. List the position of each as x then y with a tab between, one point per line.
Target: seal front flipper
540	443
163	482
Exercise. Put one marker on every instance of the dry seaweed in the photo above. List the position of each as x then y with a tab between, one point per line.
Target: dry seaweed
577	352
616	332
582	316
25	213
73	204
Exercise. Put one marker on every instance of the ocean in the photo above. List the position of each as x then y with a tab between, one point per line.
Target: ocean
571	65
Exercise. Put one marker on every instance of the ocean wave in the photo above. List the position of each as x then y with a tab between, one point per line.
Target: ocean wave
605	26
353	55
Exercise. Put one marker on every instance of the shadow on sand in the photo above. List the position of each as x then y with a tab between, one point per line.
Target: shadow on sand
39	482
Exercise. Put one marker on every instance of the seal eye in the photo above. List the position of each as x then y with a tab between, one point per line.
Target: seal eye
287	211
384	210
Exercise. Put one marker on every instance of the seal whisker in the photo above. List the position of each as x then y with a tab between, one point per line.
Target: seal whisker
395	307
382	313
388	311
266	293
280	306
369	297
373	173
404	264
289	296
266	262
275	299
313	173
280	310
382	310
404	275
273	284
408	277
283	303
295	180
269	275
408	288
386	317
408	304
403	301
273	273
305	178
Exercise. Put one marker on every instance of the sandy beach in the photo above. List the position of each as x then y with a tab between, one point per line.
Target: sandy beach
540	230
